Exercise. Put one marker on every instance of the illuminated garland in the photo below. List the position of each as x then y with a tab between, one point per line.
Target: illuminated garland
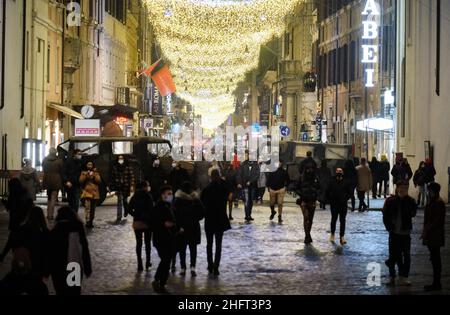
212	44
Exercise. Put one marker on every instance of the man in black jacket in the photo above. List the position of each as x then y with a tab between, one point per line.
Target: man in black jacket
398	212
247	179
338	193
71	176
277	183
308	190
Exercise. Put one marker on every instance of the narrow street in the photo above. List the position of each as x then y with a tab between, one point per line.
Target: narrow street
262	258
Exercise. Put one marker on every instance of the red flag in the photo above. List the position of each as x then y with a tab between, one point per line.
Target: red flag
164	81
149	70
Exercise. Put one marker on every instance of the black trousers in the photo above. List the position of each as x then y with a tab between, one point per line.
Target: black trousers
435	257
399	255
147	236
362	199
214	264
193	254
338	211
73	198
384	182
165	254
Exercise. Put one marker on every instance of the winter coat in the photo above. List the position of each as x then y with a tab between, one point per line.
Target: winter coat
338	193
430	172
89	183
141	207
17	207
68	242
307	163
364	178
245	174
71	172
375	170
324	175
419	178
30	182
122	179
401	172
53	169
230	178
157	179
434	224
163	236
384	168
189	211
278	180
408	209
177	177
215	199
351	177
308	188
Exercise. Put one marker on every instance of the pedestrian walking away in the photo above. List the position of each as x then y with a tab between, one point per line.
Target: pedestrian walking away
433	234
214	198
398	212
90	181
277	183
364	183
178	176
383	180
374	166
141	208
419	180
157	179
230	179
247	178
72	169
122	183
30	180
53	168
338	193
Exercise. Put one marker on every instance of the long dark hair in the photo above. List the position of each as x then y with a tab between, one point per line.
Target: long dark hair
36	219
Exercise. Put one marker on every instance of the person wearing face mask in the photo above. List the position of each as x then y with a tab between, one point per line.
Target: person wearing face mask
89	180
247	179
398	212
178	176
277	182
157	179
338	193
164	230
123	182
71	174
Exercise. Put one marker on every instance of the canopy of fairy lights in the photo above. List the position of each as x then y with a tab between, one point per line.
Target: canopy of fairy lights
211	45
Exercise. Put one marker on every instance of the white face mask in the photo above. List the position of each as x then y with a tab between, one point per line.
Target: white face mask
156	164
168	199
121	162
174	165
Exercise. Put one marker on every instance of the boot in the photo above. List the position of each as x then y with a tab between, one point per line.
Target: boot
332	238
140	265
343	241
273	213
280	219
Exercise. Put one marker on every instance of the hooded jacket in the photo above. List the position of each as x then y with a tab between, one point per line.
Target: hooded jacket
53	168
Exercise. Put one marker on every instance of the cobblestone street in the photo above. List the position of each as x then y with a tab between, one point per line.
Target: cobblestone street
260	258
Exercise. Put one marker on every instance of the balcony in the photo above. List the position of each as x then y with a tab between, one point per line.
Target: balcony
72	53
291	76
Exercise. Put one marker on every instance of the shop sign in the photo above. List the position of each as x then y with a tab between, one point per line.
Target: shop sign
87	128
370	36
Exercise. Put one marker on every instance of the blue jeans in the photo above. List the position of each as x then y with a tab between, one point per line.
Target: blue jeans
249	196
122	202
423	195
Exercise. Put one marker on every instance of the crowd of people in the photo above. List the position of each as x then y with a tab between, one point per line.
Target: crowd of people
167	208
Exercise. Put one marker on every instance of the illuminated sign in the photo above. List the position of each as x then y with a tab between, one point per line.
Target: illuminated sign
370	34
121	120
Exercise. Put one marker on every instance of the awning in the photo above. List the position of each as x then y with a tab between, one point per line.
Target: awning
65	110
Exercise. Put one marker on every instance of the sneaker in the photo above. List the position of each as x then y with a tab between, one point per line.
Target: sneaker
404	282
251	219
433	287
183	272
193	273
272	215
140	267
390	282
308	240
343	241
332	238
280	219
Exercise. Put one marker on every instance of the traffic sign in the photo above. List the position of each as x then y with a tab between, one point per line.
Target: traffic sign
285	131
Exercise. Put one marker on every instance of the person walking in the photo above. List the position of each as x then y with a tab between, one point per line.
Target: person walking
419	180
188	211
30	180
364	183
401	171
214	198
201	174
89	181
277	183
157	179
307	163
383	179
123	183
72	169
433	234
69	248
247	178
141	209
324	175
430	171
53	168
164	229
374	166
178	176
262	182
230	179
398	212
338	193
351	179
308	190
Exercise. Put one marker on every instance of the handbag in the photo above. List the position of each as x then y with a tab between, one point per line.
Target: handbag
139	225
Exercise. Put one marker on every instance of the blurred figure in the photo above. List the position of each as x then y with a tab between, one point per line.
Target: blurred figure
69	248
307	163
158	178
30	180
178	176
398	212
351	179
141	209
247	178
189	212
383	179
308	190
201	174
430	171
277	183
71	177
89	180
230	180
324	175
262	181
53	168
214	166
433	234
214	198
122	183
419	180
401	171
374	166
364	183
